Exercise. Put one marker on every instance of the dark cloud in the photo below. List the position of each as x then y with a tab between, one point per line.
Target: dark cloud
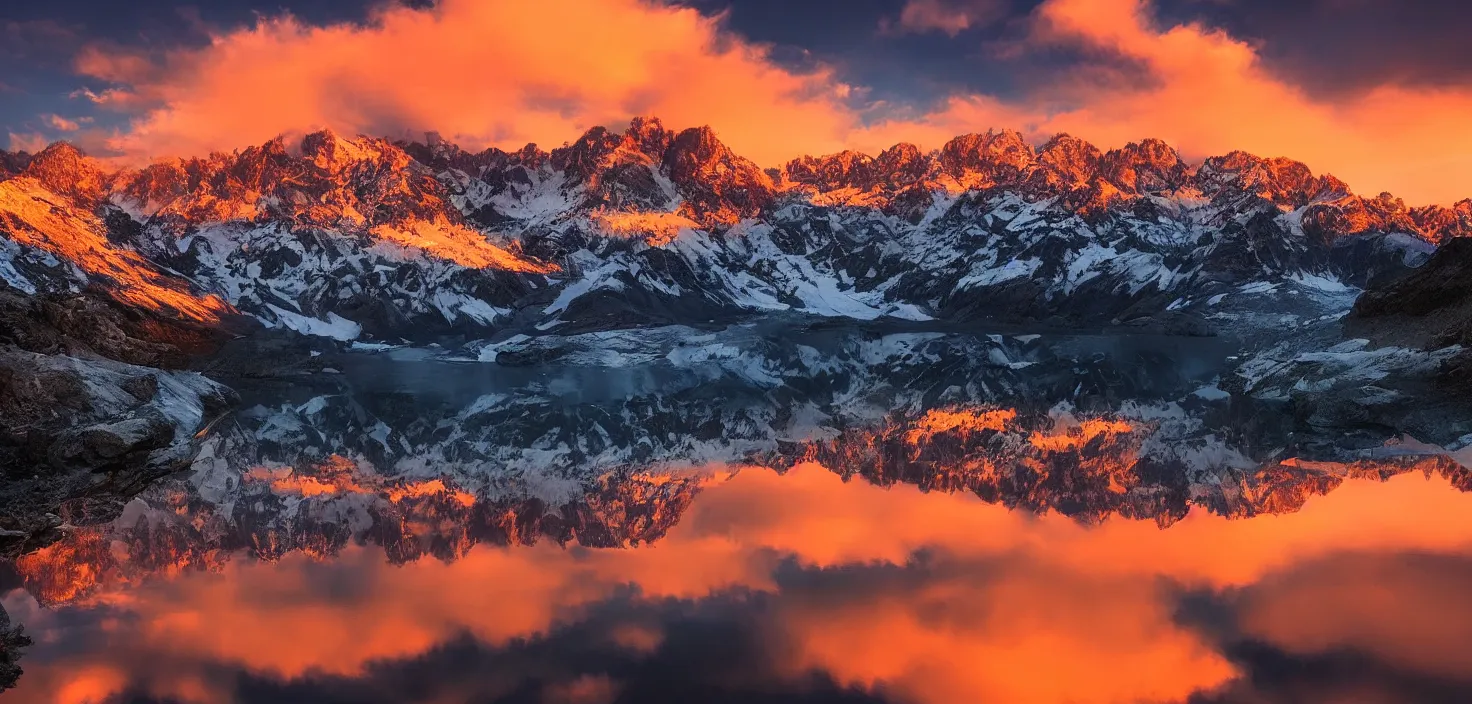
870	45
1334	47
168	22
44	41
712	650
1380	628
1276	676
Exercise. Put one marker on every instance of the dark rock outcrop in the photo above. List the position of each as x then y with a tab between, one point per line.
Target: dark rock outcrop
13	642
89	432
13	163
90	325
1430	308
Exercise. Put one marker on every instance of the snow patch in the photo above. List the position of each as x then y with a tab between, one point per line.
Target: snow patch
335	326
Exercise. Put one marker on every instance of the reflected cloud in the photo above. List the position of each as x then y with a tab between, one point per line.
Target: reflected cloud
799	586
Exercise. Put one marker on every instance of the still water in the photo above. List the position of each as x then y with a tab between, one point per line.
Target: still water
836	517
749	584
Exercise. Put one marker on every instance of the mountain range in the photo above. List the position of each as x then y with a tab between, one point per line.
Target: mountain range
366	237
651	297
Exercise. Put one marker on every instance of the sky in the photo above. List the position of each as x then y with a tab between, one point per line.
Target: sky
1374	92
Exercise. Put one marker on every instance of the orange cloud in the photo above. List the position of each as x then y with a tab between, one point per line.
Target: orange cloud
1210	94
494	72
1410	610
58	122
27	142
1031	635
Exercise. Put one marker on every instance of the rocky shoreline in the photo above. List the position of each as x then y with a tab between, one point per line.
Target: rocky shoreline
95	405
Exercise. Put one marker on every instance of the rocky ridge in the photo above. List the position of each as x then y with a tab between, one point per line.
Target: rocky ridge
361	237
325	508
1431	308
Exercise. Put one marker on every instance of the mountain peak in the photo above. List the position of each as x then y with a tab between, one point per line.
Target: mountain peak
66	170
1068	162
719	185
333	153
998	156
1331	188
1148	166
699	145
901	165
1277	179
600	148
834	171
650	167
1445	223
648	135
61	150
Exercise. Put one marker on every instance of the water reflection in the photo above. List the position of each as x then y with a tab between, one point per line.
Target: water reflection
1088	468
754	585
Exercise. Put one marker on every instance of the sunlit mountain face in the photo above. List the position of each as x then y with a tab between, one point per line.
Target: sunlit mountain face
926	351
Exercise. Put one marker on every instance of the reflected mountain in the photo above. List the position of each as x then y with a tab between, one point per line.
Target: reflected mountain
1092	469
321	510
13	642
613	494
796	587
1088	469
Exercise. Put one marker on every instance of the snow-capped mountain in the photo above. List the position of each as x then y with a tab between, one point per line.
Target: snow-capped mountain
363	238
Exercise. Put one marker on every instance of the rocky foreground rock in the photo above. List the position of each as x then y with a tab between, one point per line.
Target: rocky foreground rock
93	407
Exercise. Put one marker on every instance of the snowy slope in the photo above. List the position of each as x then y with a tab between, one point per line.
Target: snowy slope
360	237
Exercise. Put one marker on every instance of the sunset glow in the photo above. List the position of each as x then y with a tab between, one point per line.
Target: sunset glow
423	69
735	351
81	239
270	619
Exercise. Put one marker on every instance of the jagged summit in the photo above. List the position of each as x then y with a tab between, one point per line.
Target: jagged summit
12	163
637	169
65	170
1068	162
